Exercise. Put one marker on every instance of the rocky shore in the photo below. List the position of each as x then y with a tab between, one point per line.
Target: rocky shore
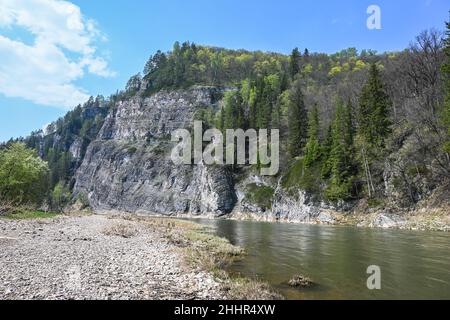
103	257
426	219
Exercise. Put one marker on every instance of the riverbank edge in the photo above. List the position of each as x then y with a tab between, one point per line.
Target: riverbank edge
198	247
203	250
423	219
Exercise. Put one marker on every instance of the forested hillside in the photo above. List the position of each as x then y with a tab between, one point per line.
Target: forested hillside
354	125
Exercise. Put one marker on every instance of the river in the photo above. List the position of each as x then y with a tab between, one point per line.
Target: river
414	265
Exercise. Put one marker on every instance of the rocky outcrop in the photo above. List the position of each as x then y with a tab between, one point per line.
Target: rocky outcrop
300	207
76	149
386	221
128	168
138	119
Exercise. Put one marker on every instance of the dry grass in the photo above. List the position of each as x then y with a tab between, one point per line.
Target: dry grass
6	208
124	230
437	219
204	251
250	289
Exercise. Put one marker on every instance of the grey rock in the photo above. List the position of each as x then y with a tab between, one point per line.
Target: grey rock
325	218
128	168
387	221
298	208
75	149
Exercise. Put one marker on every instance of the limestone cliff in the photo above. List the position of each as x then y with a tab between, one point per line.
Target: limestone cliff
128	167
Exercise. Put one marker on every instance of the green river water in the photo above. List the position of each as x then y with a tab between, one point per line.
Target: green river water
414	265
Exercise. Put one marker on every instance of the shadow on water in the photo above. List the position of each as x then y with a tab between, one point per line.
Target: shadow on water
414	265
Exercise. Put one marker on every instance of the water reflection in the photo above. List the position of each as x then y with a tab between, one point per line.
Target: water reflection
414	265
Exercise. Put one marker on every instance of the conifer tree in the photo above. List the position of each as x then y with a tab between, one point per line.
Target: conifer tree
252	105
313	148
306	55
294	62
326	150
233	111
297	121
350	134
374	122
340	157
373	125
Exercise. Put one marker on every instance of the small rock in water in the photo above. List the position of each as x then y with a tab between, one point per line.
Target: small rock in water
300	281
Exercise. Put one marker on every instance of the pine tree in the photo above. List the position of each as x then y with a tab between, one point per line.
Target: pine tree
313	148
276	114
340	157
373	125
326	151
233	111
294	62
350	133
268	100
374	122
252	105
297	121
306	55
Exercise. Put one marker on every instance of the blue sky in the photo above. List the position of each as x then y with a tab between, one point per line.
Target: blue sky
56	53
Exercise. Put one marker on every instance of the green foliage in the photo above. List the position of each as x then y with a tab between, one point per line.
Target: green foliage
326	151
24	214
261	195
294	62
233	110
340	156
60	196
23	175
313	150
80	126
374	106
299	177
269	94
335	71
298	120
208	117
134	84
188	64
374	126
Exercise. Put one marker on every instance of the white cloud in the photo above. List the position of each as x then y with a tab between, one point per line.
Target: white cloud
62	51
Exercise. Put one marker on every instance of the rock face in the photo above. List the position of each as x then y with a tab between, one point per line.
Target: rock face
140	118
298	208
128	168
387	221
76	149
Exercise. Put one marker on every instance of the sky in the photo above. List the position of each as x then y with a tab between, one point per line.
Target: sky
54	54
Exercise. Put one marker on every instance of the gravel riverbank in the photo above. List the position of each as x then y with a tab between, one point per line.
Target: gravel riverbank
96	257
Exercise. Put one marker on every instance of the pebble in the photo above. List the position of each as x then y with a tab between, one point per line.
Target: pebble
88	264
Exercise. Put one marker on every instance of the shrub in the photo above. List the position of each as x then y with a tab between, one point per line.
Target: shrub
303	178
23	175
61	196
260	195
